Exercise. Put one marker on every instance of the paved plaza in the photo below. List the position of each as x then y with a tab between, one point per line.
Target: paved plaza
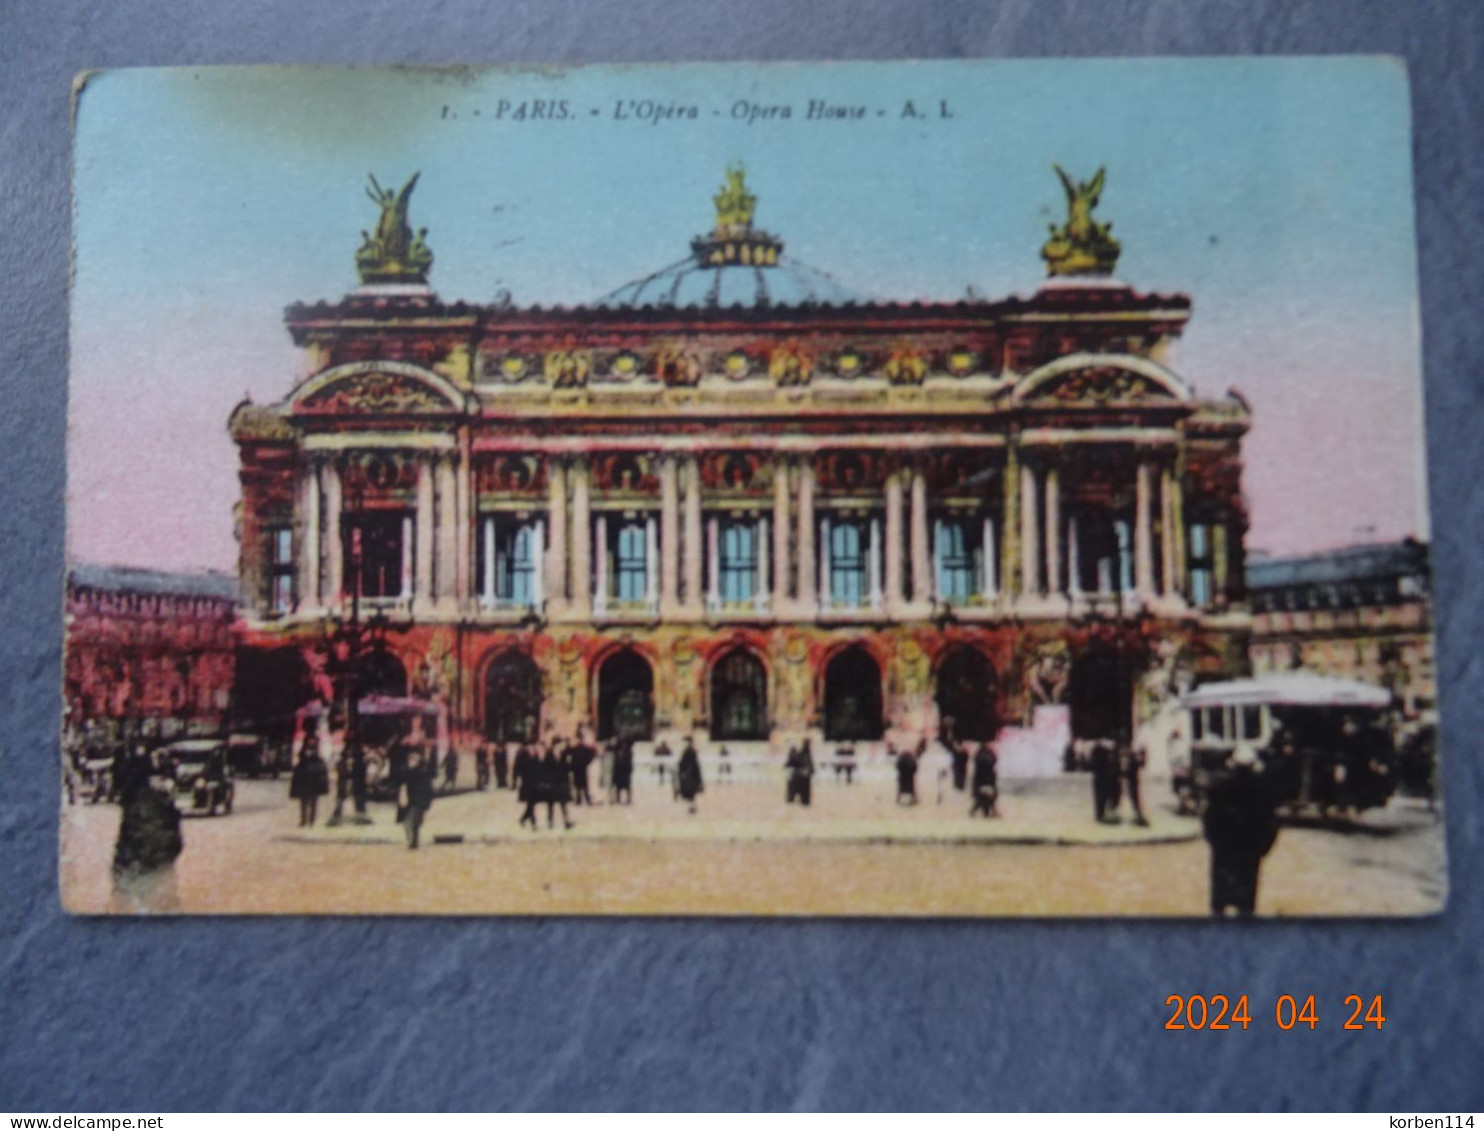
853	852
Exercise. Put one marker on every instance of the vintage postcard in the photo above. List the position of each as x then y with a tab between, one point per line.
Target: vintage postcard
936	489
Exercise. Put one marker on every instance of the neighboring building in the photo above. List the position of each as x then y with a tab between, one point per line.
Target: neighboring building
149	653
735	498
1363	612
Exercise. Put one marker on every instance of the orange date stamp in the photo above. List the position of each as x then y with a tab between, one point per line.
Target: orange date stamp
1223	1011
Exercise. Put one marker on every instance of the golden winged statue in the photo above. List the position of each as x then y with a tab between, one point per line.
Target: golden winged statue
1081	246
393	254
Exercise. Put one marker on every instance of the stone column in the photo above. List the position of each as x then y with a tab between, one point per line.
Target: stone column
893	543
1010	524
692	550
1177	522
600	581
1053	532
760	589
1143	532
873	565
713	564
1074	558
669	537
1219	563
309	540
464	540
808	581
922	559
487	582
422	574
580	585
1030	550
1166	532
988	559
335	544
780	538
651	563
556	522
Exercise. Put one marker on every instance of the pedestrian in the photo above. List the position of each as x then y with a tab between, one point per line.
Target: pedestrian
959	753
605	772
688	775
556	778
986	782
581	757
1131	764
450	769
309	782
906	765
528	791
1104	764
342	785
502	766
1241	825
415	797
623	772
149	843
482	767
800	766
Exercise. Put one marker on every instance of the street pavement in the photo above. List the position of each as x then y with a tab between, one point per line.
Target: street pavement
853	852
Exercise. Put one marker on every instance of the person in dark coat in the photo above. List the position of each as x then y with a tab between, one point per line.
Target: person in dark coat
800	767
149	842
688	775
450	770
986	782
556	777
1241	825
623	772
502	766
580	756
1105	788
1131	761
528	788
960	755
309	782
482	766
415	797
906	766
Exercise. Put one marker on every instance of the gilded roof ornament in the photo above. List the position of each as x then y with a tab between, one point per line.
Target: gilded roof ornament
734	204
1081	246
393	254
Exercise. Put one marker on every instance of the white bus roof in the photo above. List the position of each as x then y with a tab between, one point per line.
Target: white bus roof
1289	689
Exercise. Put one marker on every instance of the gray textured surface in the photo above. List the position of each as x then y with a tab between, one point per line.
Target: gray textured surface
353	1013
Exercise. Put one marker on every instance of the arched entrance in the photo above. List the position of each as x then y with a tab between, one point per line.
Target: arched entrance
512	698
739	697
626	697
966	692
852	697
1100	694
380	674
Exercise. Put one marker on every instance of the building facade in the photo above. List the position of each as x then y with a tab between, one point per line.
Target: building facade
734	499
1362	612
149	653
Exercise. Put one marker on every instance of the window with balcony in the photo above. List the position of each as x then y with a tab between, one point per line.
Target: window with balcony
510	561
630	563
377	547
1202	565
738	549
959	548
849	568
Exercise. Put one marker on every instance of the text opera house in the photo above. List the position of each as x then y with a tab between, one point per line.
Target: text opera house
732	498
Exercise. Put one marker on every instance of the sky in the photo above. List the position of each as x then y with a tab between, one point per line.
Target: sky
1276	193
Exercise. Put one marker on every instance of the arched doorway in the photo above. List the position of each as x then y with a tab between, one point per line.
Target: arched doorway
512	698
739	697
966	692
852	697
626	697
379	674
1100	694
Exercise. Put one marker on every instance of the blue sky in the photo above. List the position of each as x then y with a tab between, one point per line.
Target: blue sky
1277	193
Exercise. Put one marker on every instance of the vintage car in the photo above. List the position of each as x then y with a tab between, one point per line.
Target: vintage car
1323	742
201	773
252	756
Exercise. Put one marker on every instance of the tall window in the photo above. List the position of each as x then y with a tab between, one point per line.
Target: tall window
739	550
509	558
631	563
1202	572
280	569
849	581
374	545
959	553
